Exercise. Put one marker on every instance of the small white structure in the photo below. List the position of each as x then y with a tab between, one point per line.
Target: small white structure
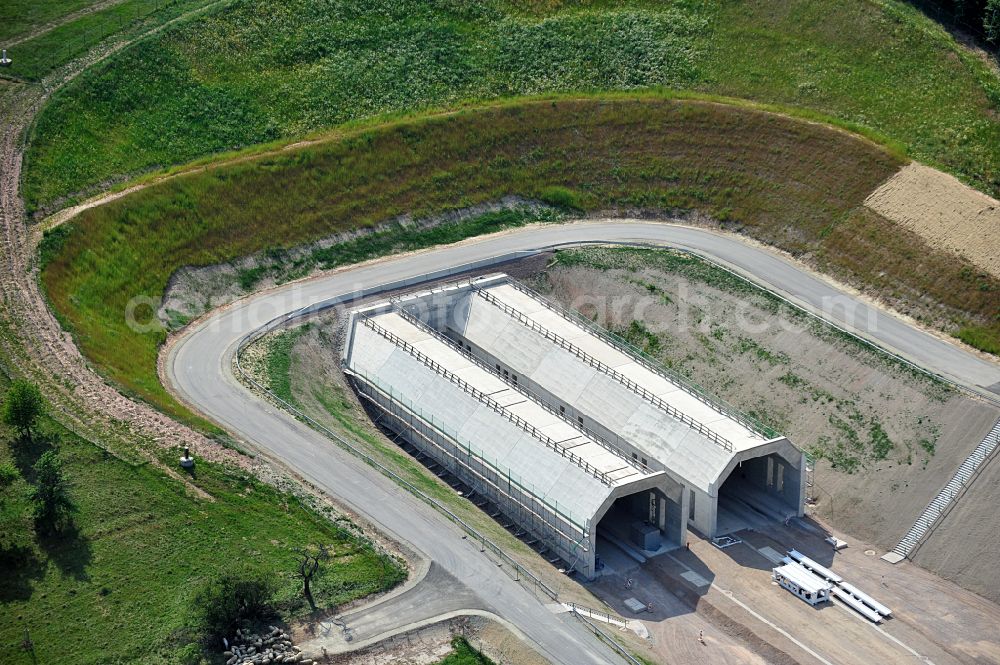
802	583
815	568
4	60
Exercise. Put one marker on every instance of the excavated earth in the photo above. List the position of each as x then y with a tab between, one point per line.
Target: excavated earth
945	212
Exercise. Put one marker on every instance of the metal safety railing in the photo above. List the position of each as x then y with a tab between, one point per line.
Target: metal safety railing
520	573
455	346
607	639
639	356
600	615
487	400
699	427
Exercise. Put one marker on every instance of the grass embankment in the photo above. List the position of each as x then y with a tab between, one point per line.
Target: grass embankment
842	421
261	71
117	588
397	238
790	183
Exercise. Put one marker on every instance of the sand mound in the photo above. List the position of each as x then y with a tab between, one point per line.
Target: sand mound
947	213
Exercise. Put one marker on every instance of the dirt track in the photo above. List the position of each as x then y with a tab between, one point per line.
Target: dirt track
31	339
944	212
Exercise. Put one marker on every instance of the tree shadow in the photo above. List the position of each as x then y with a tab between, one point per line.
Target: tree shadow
26	451
22	568
68	549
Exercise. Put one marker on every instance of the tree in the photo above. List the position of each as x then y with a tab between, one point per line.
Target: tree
16	534
991	21
23	407
309	563
53	504
8	474
235	599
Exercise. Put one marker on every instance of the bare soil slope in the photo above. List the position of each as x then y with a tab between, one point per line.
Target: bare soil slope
963	547
946	213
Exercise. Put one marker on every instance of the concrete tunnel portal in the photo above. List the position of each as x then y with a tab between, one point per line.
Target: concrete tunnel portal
593	450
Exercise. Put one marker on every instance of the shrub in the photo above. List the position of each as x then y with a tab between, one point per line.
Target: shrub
53	504
464	654
8	474
236	599
561	197
23	406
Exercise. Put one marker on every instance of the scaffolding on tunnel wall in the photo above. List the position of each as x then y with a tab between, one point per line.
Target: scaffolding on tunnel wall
566	535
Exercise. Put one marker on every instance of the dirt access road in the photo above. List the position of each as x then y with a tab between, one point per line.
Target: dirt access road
933	621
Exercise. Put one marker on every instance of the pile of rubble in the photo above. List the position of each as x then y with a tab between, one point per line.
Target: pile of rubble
249	648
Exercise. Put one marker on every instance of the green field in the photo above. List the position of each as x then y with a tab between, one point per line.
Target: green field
19	17
261	71
125	19
117	588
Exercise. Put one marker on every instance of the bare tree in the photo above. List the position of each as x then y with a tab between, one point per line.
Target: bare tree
310	560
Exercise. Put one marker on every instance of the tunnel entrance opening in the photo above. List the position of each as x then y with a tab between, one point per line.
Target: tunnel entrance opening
635	528
757	493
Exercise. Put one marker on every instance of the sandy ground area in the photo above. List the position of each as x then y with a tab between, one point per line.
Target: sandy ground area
826	393
947	213
933	620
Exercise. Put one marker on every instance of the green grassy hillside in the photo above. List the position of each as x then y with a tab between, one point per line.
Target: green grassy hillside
785	181
117	587
261	70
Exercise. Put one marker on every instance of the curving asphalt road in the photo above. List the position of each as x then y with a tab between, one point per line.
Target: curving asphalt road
199	365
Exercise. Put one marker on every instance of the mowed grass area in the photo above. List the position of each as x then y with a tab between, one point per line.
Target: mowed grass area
261	71
784	181
878	63
118	587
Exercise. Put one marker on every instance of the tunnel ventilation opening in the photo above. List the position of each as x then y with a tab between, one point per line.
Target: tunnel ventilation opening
758	493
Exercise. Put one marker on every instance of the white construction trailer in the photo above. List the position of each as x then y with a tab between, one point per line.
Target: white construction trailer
802	583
